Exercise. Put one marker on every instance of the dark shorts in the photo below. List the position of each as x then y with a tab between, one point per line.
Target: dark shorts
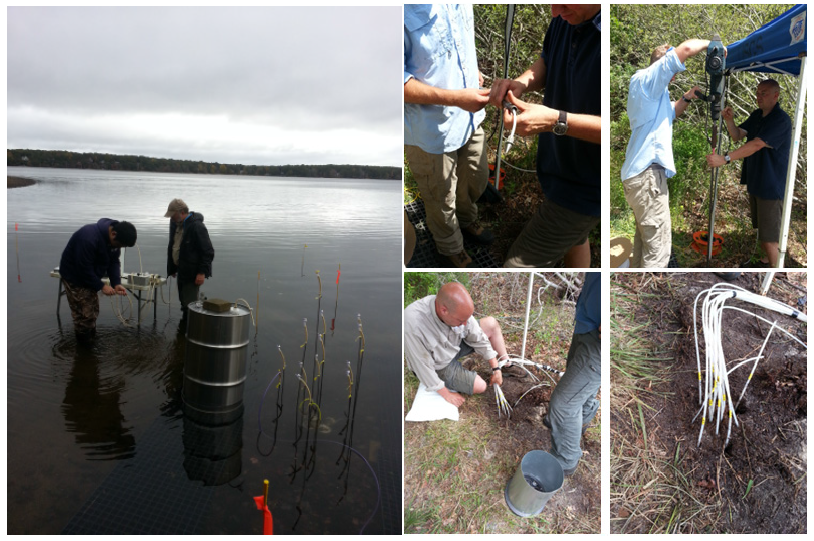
455	376
549	235
766	217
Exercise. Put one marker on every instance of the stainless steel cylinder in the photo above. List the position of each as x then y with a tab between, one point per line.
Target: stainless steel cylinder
215	362
535	482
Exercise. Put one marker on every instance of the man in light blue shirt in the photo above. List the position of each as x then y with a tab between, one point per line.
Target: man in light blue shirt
443	110
649	157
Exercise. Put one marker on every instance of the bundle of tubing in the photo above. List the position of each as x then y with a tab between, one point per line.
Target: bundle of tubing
715	395
372	472
502	404
155	283
522	363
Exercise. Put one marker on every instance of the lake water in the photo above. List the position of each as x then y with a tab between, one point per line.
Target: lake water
98	438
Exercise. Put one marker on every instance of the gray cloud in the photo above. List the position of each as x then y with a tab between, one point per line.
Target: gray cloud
89	77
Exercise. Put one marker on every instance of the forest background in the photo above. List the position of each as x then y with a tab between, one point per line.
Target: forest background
635	30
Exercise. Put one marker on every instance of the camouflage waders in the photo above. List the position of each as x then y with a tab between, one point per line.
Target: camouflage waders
84	303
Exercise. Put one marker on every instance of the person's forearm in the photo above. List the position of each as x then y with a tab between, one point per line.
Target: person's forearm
681	105
424	94
747	150
534	77
735	132
691	47
585	127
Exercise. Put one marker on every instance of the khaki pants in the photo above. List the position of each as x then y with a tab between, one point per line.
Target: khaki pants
647	195
450	184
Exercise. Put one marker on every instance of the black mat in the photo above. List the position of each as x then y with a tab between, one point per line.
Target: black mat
150	494
424	256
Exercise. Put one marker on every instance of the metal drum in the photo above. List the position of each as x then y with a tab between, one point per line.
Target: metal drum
215	363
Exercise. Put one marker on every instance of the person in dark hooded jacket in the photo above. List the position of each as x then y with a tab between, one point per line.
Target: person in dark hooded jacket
189	253
92	253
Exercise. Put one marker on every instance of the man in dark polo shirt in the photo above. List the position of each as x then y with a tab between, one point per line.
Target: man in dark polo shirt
568	152
765	163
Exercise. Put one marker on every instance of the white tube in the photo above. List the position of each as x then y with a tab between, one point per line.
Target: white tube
715	394
528	308
755	365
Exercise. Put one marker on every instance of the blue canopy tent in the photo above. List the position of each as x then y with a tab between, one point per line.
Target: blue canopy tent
778	47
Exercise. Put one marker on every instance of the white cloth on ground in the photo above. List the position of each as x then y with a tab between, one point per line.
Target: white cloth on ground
430	406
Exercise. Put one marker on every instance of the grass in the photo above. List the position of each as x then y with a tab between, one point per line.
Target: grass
689	213
456	472
650	491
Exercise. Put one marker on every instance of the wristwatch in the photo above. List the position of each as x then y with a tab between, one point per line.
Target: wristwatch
685	99
496	369
562	124
727	158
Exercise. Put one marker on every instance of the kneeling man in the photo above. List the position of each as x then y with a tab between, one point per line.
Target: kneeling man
439	330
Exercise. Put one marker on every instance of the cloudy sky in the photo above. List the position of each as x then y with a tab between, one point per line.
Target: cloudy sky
257	86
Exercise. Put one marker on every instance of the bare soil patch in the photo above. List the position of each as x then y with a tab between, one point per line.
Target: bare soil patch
757	483
455	473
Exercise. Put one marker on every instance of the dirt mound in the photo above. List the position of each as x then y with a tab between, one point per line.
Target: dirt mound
759	478
529	401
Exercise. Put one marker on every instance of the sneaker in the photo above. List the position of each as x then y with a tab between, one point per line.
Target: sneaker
460	261
477	234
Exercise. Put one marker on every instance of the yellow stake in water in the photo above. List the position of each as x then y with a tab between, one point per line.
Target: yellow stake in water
305	326
350	379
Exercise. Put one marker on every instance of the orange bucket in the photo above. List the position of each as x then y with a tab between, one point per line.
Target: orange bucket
700	242
492	176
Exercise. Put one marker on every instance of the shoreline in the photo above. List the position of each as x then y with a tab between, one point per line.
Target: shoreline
19	182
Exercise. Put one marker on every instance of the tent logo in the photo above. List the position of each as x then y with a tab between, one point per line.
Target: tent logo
798	28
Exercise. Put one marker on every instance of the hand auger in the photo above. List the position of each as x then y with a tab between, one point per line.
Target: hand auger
715	68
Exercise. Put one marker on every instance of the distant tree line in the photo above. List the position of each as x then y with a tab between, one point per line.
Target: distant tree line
113	162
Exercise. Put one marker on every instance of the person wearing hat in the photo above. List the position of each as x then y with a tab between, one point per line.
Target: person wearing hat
189	253
92	253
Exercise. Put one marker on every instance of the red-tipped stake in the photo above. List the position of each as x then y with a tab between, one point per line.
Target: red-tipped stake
262	503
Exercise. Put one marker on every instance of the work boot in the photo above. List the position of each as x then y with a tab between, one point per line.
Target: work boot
460	261
477	234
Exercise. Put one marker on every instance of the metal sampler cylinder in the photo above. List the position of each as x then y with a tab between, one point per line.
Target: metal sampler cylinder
216	351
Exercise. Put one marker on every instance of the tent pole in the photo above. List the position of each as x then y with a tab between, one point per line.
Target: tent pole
791	174
528	311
